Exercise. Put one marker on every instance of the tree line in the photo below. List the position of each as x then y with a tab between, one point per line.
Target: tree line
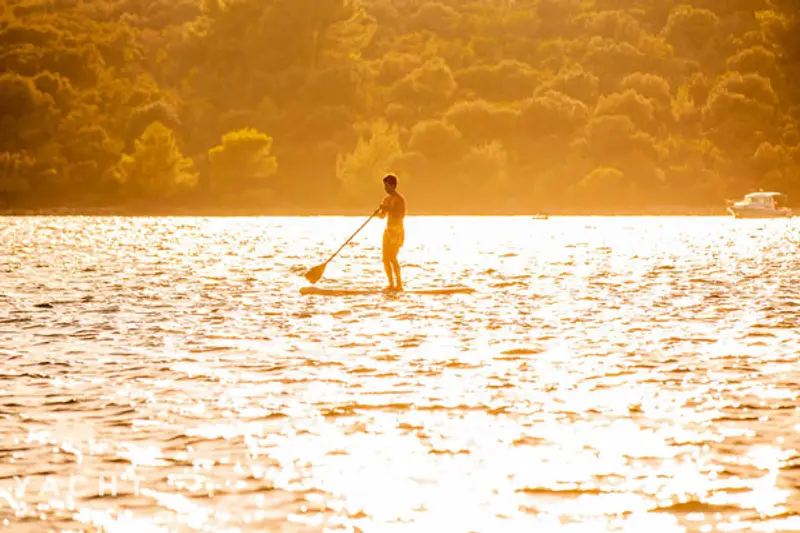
474	104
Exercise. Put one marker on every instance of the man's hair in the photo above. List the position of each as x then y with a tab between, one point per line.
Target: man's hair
391	179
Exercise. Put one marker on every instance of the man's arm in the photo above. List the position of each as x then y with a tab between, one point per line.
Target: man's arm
383	210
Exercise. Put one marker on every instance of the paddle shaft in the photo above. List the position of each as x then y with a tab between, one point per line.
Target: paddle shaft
352	236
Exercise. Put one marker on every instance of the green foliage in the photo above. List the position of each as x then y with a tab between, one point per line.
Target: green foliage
429	86
437	140
15	170
480	121
604	184
690	29
485	169
755	60
613	136
156	169
552	113
374	156
574	82
242	162
507	80
631	104
775	166
527	100
651	86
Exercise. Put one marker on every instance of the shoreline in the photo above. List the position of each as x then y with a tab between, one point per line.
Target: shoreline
655	211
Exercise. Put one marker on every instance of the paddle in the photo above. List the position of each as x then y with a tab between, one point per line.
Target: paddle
314	274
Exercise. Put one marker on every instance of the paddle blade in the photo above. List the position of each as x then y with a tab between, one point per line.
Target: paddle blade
314	274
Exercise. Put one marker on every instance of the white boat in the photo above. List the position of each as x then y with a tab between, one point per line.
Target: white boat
761	205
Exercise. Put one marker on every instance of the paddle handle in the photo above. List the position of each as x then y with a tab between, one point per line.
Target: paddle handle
352	236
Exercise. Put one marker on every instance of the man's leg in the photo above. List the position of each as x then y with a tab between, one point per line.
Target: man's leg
396	268
395	261
387	261
387	266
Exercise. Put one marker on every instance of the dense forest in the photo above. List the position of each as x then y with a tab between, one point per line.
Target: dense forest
477	105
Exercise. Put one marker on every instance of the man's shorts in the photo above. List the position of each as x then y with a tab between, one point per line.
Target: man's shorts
393	239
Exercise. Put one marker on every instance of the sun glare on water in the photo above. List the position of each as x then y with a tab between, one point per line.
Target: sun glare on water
608	374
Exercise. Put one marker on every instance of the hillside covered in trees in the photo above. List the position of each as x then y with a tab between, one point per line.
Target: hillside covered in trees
477	105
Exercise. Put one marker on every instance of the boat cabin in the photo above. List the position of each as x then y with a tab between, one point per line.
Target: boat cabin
761	205
771	200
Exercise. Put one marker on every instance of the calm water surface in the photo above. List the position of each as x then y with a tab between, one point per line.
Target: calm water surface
610	374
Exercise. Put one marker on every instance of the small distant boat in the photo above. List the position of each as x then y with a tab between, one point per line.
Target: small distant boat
760	205
540	217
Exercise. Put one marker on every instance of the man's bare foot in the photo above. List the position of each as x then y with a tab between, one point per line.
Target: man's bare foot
399	287
390	288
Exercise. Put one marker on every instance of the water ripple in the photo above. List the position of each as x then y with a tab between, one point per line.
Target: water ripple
610	374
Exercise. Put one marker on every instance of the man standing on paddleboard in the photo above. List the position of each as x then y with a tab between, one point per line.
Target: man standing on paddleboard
393	206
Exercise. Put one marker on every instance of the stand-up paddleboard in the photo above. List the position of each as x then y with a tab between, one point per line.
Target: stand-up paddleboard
319	291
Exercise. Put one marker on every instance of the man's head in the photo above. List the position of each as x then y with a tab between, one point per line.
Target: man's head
390	183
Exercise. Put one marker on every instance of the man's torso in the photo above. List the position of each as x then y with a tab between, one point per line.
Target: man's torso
395	206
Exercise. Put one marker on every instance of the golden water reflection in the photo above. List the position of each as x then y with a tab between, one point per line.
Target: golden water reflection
609	375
